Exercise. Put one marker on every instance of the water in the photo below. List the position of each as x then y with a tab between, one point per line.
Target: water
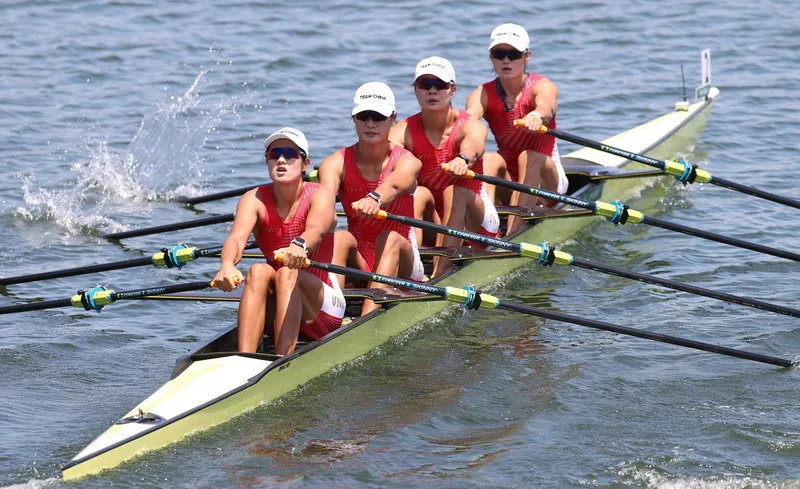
111	110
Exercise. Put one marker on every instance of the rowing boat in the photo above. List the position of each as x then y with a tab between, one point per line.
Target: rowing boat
216	383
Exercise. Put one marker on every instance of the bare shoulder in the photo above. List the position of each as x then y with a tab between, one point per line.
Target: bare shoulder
397	134
332	162
476	102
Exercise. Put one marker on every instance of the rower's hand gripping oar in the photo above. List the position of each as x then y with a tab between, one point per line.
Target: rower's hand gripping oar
547	256
174	257
619	213
475	299
683	171
98	297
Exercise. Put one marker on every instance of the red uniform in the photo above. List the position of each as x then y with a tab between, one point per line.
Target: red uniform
355	187
431	176
512	140
274	233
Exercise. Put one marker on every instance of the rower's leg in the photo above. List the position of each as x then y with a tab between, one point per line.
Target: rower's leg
425	210
394	256
463	209
495	166
345	253
258	287
535	170
288	310
305	302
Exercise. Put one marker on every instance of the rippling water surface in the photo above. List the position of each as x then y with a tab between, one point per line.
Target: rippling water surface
113	109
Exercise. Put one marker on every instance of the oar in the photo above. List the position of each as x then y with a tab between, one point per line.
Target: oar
206	221
475	299
681	170
217	196
177	256
618	213
98	297
547	256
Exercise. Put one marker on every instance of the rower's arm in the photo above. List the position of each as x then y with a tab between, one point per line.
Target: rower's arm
545	98
402	179
477	102
330	172
473	142
321	217
243	225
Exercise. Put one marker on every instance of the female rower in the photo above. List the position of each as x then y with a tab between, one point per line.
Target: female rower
441	134
294	219
371	175
523	155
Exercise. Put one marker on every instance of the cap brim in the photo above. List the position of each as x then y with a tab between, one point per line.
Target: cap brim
379	108
518	46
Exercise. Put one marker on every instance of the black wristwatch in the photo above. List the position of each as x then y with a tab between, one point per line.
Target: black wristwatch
375	196
298	241
463	157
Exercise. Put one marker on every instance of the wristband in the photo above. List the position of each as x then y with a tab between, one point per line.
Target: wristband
463	157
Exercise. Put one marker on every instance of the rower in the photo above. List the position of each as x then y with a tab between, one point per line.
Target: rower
441	134
371	175
295	219
523	155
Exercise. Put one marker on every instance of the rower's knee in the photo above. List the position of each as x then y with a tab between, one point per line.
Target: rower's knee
286	276
260	275
424	204
389	242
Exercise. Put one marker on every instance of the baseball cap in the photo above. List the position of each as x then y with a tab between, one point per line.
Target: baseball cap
290	133
375	96
512	34
438	67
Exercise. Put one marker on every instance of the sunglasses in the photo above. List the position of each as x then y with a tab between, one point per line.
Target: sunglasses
287	153
432	83
371	114
511	54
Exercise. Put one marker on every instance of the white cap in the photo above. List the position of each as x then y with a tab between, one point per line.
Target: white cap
512	34
290	133
375	96
438	67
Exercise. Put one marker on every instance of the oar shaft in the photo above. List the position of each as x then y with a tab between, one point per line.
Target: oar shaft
652	221
779	199
36	306
489	301
70	272
206	221
525	249
167	289
651	279
217	196
663	338
663	165
527	189
607	149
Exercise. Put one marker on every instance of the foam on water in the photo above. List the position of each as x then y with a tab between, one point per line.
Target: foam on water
162	161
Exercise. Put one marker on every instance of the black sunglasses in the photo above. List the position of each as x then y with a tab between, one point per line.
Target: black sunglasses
432	83
287	153
371	114
511	54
